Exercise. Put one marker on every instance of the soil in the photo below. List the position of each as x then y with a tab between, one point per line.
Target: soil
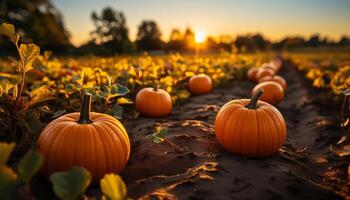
204	170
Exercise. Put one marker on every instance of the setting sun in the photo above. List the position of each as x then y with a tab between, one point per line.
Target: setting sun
200	36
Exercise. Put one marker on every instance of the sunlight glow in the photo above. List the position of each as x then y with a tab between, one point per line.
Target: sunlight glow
200	36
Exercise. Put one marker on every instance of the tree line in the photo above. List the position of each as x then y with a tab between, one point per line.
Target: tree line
40	22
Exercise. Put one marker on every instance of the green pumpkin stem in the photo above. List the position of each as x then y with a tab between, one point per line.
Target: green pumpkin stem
253	103
85	110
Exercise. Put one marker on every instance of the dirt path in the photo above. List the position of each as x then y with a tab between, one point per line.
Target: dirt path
209	172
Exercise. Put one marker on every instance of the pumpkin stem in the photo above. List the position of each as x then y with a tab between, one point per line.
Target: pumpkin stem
254	100
85	110
156	87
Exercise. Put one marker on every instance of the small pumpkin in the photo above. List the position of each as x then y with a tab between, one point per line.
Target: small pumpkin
251	74
200	84
250	127
273	92
95	141
264	72
270	66
153	102
278	63
277	79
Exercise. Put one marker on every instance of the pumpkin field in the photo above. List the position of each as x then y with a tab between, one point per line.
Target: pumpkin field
238	126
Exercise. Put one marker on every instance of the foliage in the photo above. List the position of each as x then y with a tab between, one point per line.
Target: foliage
70	185
329	71
29	17
113	187
28	166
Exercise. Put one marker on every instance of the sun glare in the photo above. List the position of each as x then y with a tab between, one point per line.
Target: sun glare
200	36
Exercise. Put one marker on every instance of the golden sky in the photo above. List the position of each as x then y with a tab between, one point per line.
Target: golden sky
273	18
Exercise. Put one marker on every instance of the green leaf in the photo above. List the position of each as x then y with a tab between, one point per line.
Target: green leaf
119	90
9	31
154	137
123	100
113	187
28	53
5	152
72	184
116	111
8	181
29	165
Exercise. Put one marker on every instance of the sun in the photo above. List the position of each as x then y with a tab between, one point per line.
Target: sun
200	36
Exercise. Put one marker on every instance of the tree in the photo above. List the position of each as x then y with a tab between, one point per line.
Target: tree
110	35
314	41
38	20
148	36
110	25
189	39
175	41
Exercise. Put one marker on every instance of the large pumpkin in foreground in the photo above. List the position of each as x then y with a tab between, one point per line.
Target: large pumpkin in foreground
200	84
95	141
250	127
273	92
153	102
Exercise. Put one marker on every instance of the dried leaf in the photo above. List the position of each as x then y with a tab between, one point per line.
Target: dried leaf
123	100
113	187
9	31
28	53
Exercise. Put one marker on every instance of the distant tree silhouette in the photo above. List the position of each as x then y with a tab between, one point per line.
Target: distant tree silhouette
110	25
38	20
188	39
314	41
110	34
344	41
148	36
175	41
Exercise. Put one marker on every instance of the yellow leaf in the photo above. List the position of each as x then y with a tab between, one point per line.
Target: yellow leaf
113	187
9	31
124	100
28	53
5	152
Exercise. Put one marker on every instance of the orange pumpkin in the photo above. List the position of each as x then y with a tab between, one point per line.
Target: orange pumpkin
264	72
277	62
250	127
251	74
270	66
277	79
273	92
95	141
153	102
200	84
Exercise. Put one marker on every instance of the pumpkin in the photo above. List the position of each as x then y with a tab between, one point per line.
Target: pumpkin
273	92
153	102
92	140
251	74
270	66
250	127
200	84
277	79
277	62
264	72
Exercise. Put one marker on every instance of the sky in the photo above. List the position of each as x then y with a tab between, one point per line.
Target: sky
273	18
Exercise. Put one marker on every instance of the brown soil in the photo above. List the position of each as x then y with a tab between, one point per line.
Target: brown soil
206	171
